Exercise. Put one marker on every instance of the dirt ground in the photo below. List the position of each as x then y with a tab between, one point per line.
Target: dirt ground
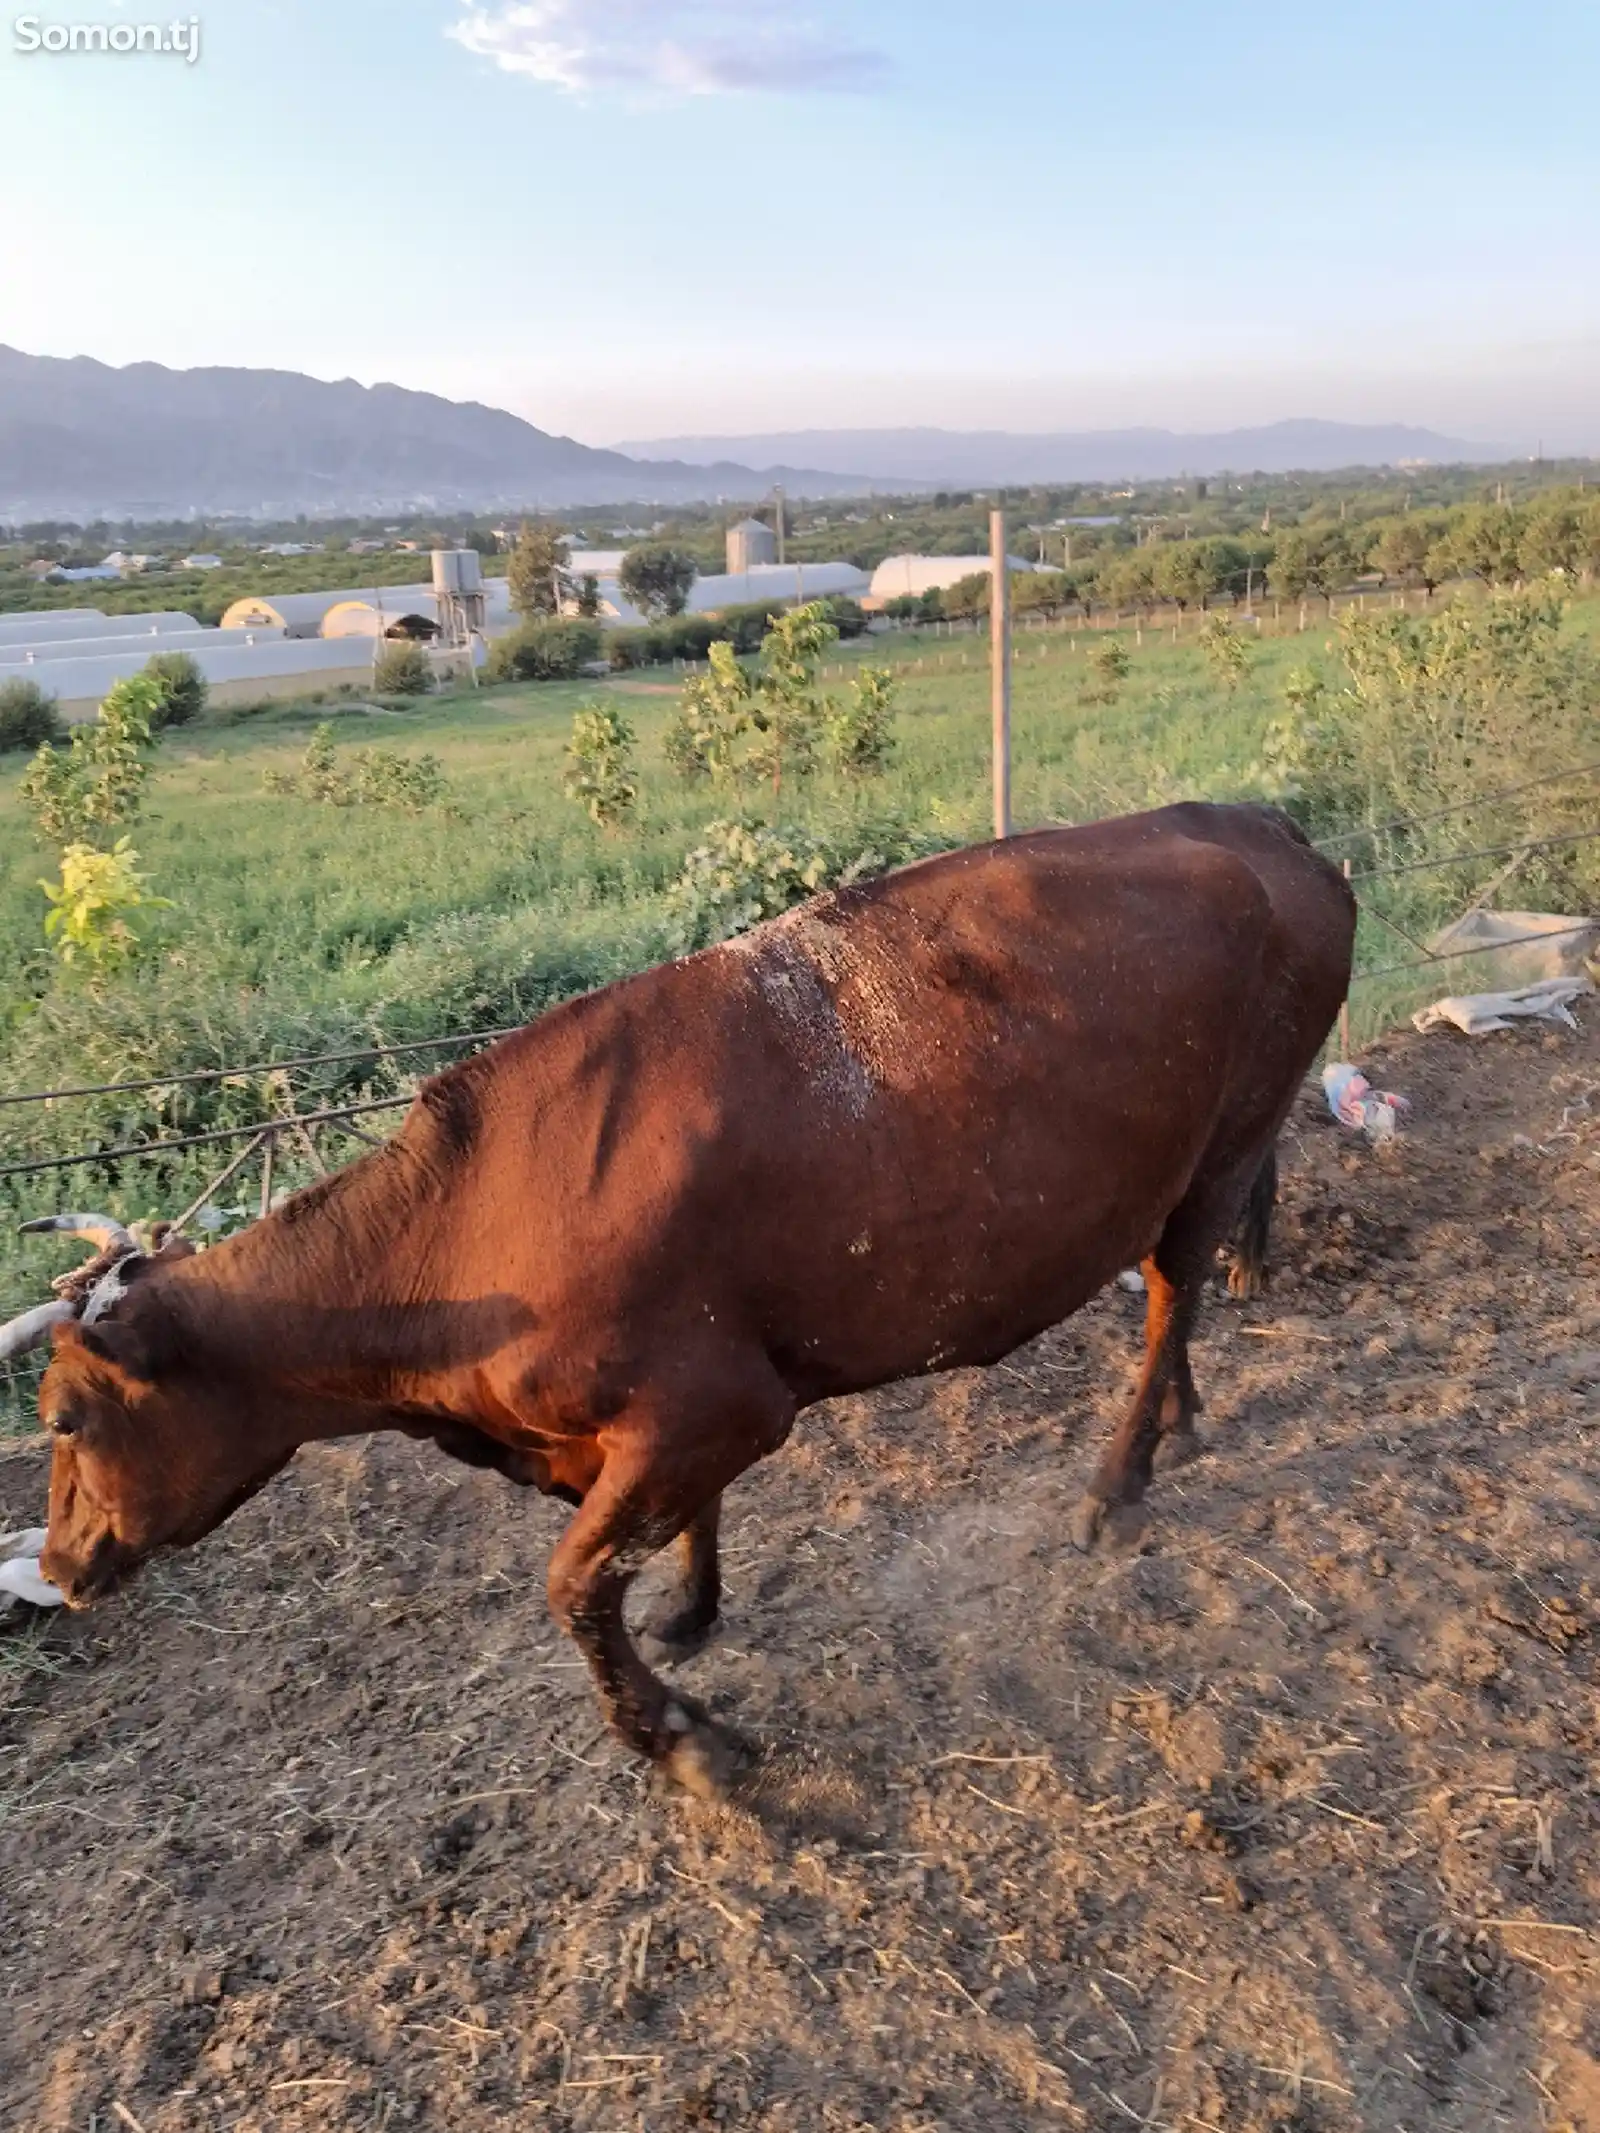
1290	1821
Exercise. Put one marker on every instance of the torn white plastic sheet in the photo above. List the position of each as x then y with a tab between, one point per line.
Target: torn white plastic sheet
1537	945
20	1576
1478	1012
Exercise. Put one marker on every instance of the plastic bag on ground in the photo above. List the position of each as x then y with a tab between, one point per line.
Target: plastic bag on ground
1355	1103
20	1576
1475	1013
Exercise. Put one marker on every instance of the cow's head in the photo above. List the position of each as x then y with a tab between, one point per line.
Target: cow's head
135	1466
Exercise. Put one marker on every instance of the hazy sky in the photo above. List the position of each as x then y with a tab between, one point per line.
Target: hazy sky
631	217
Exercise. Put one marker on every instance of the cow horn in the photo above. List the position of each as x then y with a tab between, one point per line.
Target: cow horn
32	1329
103	1231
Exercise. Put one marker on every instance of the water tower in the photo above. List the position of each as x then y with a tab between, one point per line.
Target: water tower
458	588
750	543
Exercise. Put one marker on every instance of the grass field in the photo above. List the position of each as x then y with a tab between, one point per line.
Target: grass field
298	927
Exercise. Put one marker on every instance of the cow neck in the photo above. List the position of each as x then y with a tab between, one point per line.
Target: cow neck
318	1295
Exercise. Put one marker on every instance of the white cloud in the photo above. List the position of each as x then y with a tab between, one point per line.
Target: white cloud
683	47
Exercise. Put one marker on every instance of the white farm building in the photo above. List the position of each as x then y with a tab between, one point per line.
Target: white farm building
41	625
763	581
20	654
371	611
900	576
237	672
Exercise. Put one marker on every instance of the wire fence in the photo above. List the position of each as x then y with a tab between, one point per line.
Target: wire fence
204	1075
308	1132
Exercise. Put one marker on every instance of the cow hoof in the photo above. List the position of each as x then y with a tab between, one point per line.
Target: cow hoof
1178	1447
702	1758
1112	1528
1246	1283
1086	1522
676	1633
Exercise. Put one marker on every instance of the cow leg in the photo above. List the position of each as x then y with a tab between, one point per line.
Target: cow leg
1247	1275
681	1622
659	1481
1158	1427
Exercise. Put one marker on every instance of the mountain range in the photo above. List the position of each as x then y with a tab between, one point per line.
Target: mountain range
989	458
85	440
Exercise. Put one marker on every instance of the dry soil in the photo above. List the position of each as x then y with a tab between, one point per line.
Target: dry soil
1290	1821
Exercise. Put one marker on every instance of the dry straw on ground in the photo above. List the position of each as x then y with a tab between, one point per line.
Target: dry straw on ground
1289	1822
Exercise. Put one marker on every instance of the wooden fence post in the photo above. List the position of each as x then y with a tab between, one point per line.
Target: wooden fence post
1344	1010
1000	669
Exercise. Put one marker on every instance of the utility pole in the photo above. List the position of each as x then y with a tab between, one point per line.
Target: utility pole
777	518
1000	669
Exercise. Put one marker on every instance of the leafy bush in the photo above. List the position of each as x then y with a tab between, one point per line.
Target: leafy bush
786	710
684	637
1434	708
849	617
28	717
1045	592
687	636
860	732
82	794
1225	651
380	777
374	777
1112	666
745	872
745	624
713	712
967	597
544	651
914	607
402	669
86	921
742	873
602	776
184	689
630	648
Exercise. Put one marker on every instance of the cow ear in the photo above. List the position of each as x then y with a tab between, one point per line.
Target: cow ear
120	1353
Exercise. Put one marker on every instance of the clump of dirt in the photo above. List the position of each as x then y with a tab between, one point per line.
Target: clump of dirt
1291	1821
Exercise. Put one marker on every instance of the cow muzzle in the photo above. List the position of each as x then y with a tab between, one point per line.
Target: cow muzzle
82	1580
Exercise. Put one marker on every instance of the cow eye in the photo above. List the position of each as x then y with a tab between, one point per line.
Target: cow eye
63	1426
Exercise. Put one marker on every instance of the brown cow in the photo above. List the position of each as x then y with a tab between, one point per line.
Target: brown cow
901	1129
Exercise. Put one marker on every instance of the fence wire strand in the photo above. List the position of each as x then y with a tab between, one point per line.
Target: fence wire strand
1460	807
1486	851
147	1149
1459	955
260	1066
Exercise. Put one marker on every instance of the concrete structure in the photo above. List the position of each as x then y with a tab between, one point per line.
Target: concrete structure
902	575
750	544
236	673
52	624
23	654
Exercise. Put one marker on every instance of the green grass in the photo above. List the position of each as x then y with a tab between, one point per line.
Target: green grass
298	927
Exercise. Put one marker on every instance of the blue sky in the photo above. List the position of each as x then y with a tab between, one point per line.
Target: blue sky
631	217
